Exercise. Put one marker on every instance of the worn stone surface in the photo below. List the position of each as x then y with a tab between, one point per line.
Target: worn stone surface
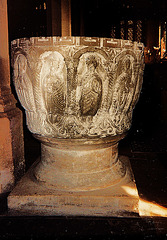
31	198
75	87
79	164
12	163
79	94
11	132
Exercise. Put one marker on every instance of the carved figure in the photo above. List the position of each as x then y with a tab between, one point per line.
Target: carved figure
121	92
54	94
23	83
91	89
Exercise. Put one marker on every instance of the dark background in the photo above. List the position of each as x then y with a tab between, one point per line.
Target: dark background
146	142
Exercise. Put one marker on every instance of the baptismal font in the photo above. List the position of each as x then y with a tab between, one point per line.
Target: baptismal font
78	94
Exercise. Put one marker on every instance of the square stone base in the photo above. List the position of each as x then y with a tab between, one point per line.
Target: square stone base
31	198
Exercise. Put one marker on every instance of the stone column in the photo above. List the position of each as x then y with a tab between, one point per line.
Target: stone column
53	18
59	17
65	18
11	131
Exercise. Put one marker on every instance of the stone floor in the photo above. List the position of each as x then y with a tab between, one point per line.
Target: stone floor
148	156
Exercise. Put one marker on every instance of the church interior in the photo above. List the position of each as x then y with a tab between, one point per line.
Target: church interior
146	142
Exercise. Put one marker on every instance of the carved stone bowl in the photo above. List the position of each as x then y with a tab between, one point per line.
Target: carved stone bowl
78	94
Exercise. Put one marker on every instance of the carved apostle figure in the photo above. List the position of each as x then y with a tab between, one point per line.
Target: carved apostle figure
124	80
23	83
122	90
91	92
54	93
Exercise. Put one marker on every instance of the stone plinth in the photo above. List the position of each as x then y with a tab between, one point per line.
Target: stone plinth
31	198
79	164
79	94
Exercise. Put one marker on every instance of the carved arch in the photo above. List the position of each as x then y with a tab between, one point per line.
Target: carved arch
15	54
78	54
125	53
